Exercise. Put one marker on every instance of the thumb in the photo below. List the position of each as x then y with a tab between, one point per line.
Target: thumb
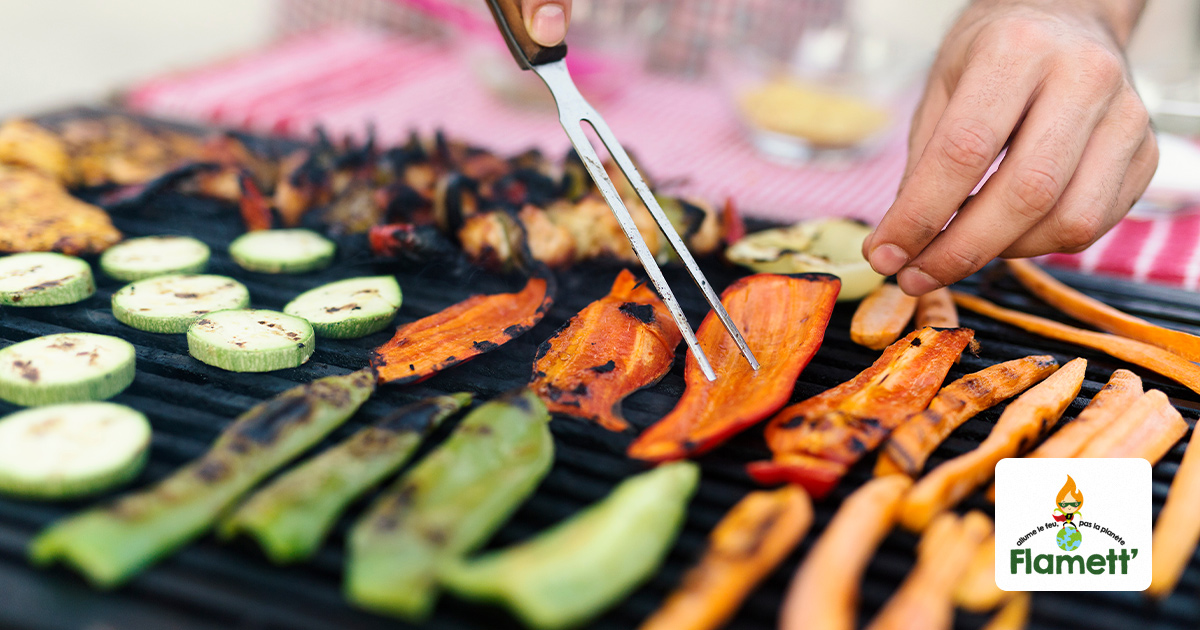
546	20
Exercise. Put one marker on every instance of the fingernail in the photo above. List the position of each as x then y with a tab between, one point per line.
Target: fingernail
549	25
887	259
917	282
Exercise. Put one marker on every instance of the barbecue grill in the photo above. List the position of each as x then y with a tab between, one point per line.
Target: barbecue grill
210	585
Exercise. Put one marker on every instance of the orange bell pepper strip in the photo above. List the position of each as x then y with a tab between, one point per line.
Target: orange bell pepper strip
1148	430
1177	531
911	443
615	346
1153	358
1023	422
824	593
1092	311
936	309
816	441
783	319
882	316
753	538
476	325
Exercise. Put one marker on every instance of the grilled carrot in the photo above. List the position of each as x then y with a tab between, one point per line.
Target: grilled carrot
1092	311
1148	429
881	317
911	443
937	309
816	441
925	601
1024	421
977	590
1014	615
476	325
1150	357
824	593
1121	391
1177	530
752	539
783	319
613	347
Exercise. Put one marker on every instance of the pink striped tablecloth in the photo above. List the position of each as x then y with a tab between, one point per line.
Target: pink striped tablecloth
682	132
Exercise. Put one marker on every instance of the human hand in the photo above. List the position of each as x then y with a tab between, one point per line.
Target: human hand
1047	78
546	20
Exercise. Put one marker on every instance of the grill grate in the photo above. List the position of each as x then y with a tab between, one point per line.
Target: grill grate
209	585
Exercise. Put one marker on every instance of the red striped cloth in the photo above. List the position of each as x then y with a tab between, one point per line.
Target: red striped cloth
682	132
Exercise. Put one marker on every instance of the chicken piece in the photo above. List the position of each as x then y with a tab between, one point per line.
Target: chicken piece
38	214
26	143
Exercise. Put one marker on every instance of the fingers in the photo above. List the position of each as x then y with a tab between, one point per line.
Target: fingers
547	20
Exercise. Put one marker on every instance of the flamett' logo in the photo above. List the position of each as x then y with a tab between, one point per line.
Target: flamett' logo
1108	548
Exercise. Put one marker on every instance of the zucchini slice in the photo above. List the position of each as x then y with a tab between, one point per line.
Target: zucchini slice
282	251
149	256
348	309
68	367
44	279
169	304
830	245
71	450
251	340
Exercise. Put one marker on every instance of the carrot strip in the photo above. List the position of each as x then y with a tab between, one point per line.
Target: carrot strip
911	443
1177	531
977	590
1025	420
816	441
1121	391
936	309
783	319
1145	355
925	600
881	317
476	325
1014	615
1092	311
824	593
753	538
615	346
1148	430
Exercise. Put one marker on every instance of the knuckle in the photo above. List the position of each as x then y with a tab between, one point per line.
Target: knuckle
968	148
958	262
1076	231
1035	187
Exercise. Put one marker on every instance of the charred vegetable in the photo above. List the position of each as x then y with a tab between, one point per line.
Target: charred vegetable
577	569
618	344
448	505
822	245
67	367
472	327
816	441
113	543
783	319
1148	429
1177	530
1109	404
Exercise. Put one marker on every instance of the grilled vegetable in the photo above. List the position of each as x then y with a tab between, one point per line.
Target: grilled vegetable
291	517
977	590
150	256
448	505
1177	530
476	325
169	304
71	450
783	319
882	317
749	542
37	214
616	345
251	340
582	566
282	251
1148	429
936	309
824	593
1091	311
1109	404
913	441
1014	615
348	309
816	441
926	598
413	243
821	245
1022	424
67	367
110	544
44	279
1145	355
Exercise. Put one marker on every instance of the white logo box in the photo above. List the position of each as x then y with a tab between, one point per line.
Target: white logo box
1114	520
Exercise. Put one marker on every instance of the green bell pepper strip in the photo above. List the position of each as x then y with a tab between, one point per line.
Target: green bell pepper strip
111	544
447	505
291	517
585	564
